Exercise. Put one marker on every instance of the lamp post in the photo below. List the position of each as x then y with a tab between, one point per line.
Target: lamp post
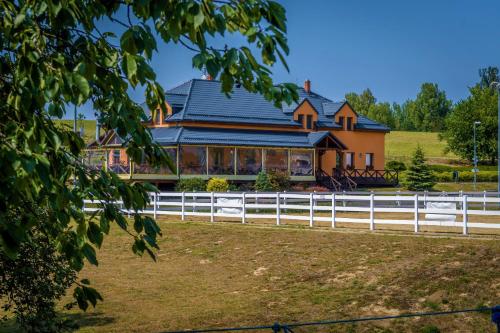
496	85
475	154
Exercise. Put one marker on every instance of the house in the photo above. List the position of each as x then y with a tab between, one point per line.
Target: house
208	134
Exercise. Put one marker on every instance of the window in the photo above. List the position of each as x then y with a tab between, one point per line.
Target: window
309	122
341	122
300	119
193	160
276	160
116	157
249	161
301	163
349	123
145	168
369	160
176	108
349	161
221	161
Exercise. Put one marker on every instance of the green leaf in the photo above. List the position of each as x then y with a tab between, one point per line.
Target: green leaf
89	253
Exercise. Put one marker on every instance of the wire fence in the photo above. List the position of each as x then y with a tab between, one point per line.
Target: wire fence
288	328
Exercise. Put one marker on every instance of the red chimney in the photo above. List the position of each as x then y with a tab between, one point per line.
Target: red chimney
307	86
209	77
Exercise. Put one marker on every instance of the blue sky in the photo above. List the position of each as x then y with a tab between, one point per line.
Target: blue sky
389	46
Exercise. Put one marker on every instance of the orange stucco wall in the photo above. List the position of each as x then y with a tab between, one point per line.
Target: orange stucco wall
305	109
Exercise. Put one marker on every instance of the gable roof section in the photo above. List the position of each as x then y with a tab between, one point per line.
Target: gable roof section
367	124
331	108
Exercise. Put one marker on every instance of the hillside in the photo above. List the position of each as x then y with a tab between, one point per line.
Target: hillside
400	145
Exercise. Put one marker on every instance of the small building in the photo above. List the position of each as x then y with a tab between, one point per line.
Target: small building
208	134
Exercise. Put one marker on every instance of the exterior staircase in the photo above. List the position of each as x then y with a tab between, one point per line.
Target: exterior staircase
335	184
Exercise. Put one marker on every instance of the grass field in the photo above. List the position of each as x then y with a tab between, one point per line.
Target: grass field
399	145
88	128
219	275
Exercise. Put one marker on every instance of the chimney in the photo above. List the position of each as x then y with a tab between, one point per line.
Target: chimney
209	77
307	86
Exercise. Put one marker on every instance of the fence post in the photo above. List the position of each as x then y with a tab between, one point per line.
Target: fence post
416	212
484	200
343	200
183	203
464	210
311	209
333	210
154	203
212	209
278	209
372	212
285	202
244	207
256	202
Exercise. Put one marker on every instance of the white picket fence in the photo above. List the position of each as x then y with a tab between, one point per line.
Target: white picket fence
324	207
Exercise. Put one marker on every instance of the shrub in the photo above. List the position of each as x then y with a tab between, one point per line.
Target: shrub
279	180
217	185
190	185
430	329
395	166
444	177
262	183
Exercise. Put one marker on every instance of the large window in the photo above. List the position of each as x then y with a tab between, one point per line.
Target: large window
220	161
193	160
118	161
249	161
301	162
145	168
276	160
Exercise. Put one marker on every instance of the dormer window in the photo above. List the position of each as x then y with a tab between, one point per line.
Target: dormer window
341	122
349	123
309	120
176	108
300	119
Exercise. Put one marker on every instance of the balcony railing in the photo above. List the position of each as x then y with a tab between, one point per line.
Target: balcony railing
369	176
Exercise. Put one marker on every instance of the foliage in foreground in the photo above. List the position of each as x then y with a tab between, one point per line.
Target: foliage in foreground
262	183
32	283
419	177
194	184
55	56
279	180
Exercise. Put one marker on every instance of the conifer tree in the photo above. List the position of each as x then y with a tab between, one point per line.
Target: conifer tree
419	177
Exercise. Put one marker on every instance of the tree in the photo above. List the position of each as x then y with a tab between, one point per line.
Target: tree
361	103
488	76
482	106
402	121
55	56
430	108
419	177
382	113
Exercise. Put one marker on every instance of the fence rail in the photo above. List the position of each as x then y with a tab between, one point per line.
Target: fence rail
450	211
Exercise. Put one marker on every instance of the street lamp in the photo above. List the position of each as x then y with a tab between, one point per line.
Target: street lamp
496	85
475	154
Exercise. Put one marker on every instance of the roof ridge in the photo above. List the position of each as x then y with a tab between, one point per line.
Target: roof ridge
188	98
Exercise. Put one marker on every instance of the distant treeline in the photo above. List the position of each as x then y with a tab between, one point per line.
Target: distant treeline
431	111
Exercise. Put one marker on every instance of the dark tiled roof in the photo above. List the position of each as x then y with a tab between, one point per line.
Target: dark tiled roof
368	124
233	137
204	101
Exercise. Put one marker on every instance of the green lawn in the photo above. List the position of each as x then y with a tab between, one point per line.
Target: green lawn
399	145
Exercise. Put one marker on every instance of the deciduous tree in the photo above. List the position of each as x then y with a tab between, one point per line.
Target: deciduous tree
55	55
